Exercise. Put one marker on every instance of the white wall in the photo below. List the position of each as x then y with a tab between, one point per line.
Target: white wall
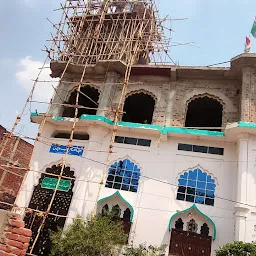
155	201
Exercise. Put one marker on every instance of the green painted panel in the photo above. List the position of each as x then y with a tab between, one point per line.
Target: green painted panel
50	183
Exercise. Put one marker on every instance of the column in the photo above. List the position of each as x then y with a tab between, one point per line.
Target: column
241	208
108	94
245	103
60	96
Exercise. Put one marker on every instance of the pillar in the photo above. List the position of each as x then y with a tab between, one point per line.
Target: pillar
108	94
59	97
241	208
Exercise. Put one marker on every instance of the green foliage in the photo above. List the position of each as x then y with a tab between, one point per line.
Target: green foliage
237	249
143	250
99	235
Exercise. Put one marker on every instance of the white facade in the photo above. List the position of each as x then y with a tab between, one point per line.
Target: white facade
233	215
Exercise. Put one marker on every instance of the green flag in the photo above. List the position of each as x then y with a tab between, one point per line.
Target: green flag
253	31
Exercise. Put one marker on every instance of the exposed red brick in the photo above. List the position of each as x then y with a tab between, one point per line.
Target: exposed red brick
17	223
22	231
15	238
23	239
15	244
5	248
2	253
11	236
19	252
11	183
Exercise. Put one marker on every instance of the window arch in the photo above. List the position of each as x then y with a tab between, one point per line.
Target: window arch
139	108
204	230
196	186
204	111
42	195
123	175
88	98
179	224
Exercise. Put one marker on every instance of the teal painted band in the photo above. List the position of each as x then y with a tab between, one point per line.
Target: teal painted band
246	124
120	196
190	131
194	207
34	114
163	130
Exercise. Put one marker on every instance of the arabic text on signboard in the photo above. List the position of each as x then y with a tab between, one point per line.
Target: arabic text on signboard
50	183
73	150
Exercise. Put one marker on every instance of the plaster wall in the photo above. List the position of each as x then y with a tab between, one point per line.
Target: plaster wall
160	165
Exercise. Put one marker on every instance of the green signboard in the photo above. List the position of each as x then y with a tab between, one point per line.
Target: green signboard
50	183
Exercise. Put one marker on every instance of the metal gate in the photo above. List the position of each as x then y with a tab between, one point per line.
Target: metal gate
39	202
185	243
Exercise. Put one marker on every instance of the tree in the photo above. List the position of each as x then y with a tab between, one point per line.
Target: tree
237	249
143	250
97	236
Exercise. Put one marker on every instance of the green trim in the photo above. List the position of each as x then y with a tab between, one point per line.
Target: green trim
120	196
140	126
194	207
192	132
246	124
97	118
34	114
162	129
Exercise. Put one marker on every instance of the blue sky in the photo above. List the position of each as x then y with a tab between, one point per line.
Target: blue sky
218	29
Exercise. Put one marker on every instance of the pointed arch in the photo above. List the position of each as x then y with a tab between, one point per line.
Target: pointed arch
124	175
196	186
141	91
88	98
204	110
194	207
41	196
139	107
117	193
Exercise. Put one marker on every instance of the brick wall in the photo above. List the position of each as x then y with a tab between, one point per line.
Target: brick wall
10	182
14	238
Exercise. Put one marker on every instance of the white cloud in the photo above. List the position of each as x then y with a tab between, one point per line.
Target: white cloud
28	70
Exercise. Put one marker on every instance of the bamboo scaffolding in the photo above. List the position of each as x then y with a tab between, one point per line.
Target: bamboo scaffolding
87	33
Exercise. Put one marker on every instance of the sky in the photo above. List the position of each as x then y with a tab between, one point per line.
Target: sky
217	28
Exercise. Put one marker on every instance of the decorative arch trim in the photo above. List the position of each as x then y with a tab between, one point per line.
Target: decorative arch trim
73	89
198	96
202	169
129	158
141	91
194	207
117	193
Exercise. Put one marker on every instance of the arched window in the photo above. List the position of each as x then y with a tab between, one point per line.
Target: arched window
197	187
123	175
127	215
88	98
139	108
105	210
179	224
40	199
204	112
204	230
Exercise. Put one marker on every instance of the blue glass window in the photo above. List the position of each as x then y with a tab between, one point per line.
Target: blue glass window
123	175
196	186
